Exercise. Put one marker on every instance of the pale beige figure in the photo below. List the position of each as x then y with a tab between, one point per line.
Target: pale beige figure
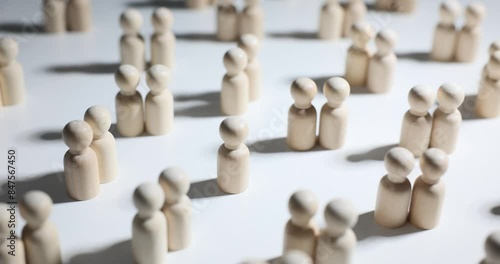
331	20
40	236
301	232
132	47
234	95
149	227
358	55
295	257
488	97
417	122
233	157
227	21
11	247
494	47
383	64
11	73
429	190
54	16
163	40
128	102
469	38
251	19
492	248
81	169
302	115
159	101
447	119
403	6
250	44
103	144
445	35
196	4
337	241
394	190
334	114
355	12
79	15
177	207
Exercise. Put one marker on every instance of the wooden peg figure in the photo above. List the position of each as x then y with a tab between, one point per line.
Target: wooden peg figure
177	207
129	105
301	132
250	44
79	15
103	144
149	229
159	101
163	40
40	236
469	37
494	47
196	4
492	248
383	63
301	232
337	242
331	20
488	97
445	35
394	190
81	169
227	21
447	119
251	19
358	55
234	96
334	114
233	157
295	257
403	6
17	255
11	73
355	12
417	122
132	47
54	16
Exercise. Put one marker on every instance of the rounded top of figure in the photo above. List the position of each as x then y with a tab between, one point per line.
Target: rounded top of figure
340	215
386	41
336	90
175	184
302	206
303	91
399	162
433	163
235	60
494	47
35	208
450	96
162	19
492	247
449	12
250	44
77	135
157	78
99	119
233	131
361	34
421	98
9	48
4	220
295	257
131	21
148	199
493	66
474	14
127	78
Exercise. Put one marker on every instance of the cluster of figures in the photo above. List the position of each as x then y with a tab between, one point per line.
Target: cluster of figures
73	15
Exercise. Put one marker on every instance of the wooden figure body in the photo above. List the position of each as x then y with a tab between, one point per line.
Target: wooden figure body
234	96
331	20
403	6
355	12
251	19
250	44
494	47
129	105
233	157
227	21
81	169
163	40
445	35
334	114
132	47
492	248
149	227
55	16
79	15
302	115
358	55
196	4
469	37
177	207
159	101
17	250
383	63
11	73
488	97
103	144
40	236
295	257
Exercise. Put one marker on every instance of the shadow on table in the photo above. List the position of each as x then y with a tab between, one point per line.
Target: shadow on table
373	154
209	108
205	189
49	135
21	28
90	68
495	210
157	3
367	227
276	145
196	36
415	56
117	253
468	108
294	35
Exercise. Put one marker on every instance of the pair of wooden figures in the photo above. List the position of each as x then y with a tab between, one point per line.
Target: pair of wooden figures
336	21
75	15
452	45
403	6
156	115
231	24
163	219
11	73
132	44
488	97
92	158
396	203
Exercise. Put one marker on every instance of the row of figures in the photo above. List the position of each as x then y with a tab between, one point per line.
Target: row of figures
488	97
73	15
11	73
231	23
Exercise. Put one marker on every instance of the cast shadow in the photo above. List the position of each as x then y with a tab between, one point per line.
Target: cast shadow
294	35
468	108
196	36
416	56
276	145
205	189
21	28
373	154
495	210
157	3
117	253
209	108
49	135
91	68
320	81
367	227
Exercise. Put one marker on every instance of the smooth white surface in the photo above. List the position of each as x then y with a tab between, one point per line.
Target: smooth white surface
227	229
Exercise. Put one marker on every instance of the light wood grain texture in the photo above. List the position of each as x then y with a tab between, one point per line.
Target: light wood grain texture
331	20
234	96
383	64
12	84
358	55
159	101
227	22
132	47
128	102
302	115
251	19
251	45
469	38
79	15
163	40
334	114
445	35
54	16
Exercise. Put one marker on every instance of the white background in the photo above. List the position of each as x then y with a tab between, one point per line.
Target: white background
67	74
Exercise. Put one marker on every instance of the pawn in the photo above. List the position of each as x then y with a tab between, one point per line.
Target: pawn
417	122
302	116
447	119
79	15
149	231
11	73
129	105
103	144
492	248
469	37
428	192
55	16
196	4
227	21
337	242
40	236
81	169
233	157
334	114
250	44
301	231
358	55
159	101
163	40
394	190
16	255
488	97
234	96
295	257
331	20
383	63
177	207
445	36
132	47
251	19
355	12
